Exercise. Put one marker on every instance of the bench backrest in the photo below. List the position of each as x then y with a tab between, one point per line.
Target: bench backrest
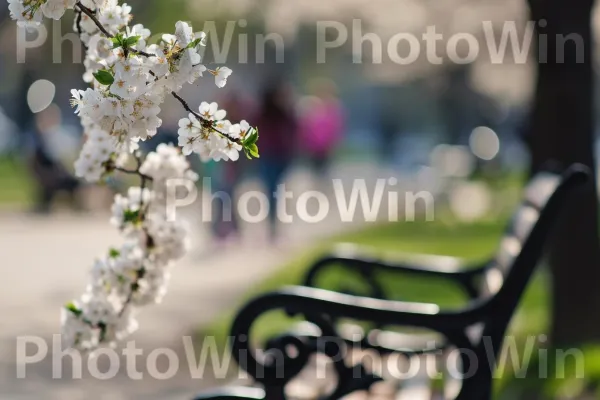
522	245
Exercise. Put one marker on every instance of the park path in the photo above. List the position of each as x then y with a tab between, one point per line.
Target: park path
45	261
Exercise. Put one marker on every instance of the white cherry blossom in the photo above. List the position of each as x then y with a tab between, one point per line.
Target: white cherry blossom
239	131
221	74
129	82
55	9
210	111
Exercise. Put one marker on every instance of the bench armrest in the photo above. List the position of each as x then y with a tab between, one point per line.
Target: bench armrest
366	262
321	307
233	393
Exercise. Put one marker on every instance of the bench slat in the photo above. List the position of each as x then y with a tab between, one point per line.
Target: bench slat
416	388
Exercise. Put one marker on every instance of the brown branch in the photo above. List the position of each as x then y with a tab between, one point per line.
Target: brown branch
90	13
78	24
92	16
132	172
187	106
205	122
141	53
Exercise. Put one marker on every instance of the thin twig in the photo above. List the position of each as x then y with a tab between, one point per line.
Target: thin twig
205	122
128	300
132	172
79	29
141	53
144	178
92	16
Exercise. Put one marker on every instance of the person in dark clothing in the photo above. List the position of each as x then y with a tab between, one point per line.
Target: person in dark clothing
277	125
50	175
226	176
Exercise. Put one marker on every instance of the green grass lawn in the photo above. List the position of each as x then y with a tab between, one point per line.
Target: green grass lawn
474	242
16	186
445	236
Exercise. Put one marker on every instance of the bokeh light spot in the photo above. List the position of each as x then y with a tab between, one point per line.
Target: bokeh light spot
40	95
484	143
470	201
452	161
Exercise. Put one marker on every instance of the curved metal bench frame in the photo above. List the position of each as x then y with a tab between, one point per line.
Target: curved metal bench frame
547	193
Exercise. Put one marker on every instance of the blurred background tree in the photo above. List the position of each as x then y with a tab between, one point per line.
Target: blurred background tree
562	129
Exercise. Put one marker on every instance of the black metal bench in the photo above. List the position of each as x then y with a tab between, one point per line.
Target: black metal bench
494	290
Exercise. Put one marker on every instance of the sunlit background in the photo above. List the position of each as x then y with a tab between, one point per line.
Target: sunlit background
454	131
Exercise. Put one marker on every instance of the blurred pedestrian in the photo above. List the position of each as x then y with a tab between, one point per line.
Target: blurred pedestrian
322	125
225	176
277	125
49	173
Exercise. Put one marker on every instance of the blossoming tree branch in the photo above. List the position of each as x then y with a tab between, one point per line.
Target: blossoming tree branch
129	80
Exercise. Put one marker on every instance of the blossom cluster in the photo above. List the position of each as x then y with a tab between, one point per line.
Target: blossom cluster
129	80
30	12
194	137
135	274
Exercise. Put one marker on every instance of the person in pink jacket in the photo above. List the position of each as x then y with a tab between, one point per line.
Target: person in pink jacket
322	125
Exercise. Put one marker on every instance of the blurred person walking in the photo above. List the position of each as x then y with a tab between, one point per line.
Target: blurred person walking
226	176
278	128
49	173
322	125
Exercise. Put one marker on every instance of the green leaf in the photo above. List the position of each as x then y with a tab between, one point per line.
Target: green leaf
194	44
131	216
131	41
249	144
252	138
73	308
116	42
104	77
253	150
114	253
103	329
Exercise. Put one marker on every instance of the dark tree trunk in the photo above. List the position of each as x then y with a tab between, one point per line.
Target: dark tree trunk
562	129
